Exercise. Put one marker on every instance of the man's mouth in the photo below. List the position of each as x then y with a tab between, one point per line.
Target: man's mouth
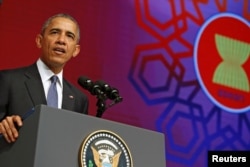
59	50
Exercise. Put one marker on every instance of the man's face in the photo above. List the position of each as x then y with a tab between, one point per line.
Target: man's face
58	43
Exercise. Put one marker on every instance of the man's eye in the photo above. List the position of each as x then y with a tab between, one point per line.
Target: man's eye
71	36
54	32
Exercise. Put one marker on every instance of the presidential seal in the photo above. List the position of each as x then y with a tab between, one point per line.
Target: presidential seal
104	149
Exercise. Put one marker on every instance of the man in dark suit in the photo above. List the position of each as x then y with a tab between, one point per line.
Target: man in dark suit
23	88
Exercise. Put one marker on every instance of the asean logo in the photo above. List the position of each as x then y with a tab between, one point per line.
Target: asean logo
222	63
104	149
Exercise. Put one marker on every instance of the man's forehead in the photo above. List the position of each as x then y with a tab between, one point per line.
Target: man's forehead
61	23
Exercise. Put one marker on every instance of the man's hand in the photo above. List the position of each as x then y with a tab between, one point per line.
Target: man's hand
8	127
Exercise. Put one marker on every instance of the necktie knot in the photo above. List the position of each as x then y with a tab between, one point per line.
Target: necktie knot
53	79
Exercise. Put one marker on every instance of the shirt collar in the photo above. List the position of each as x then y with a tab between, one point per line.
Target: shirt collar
46	73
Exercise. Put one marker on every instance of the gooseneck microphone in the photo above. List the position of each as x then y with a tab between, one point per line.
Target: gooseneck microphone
87	84
111	92
102	91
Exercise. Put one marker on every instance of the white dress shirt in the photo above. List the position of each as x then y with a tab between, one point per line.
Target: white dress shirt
46	74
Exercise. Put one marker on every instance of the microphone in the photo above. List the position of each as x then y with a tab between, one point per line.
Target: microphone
103	92
87	84
112	93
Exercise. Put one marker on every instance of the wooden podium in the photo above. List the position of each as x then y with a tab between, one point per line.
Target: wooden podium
59	138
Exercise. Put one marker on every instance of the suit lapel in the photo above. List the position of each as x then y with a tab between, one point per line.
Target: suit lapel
68	97
34	86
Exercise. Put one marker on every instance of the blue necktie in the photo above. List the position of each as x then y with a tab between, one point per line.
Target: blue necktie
52	99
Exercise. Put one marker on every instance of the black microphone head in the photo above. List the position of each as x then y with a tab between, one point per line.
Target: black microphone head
113	94
96	90
104	86
93	88
85	82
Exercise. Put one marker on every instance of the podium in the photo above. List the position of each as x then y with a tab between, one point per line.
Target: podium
53	137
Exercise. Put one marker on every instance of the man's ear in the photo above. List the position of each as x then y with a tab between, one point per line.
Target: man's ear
77	51
39	38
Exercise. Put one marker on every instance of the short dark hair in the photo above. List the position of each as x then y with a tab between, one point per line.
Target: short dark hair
64	15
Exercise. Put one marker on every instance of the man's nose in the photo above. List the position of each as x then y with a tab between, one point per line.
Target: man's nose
61	39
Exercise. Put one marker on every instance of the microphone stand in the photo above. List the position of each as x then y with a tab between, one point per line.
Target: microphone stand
101	105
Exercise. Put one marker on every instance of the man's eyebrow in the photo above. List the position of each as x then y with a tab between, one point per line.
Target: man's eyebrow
54	29
58	29
71	33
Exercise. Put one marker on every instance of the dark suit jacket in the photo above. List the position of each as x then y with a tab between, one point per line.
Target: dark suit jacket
21	89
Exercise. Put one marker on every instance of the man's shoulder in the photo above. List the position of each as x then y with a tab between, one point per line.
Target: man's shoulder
17	69
17	73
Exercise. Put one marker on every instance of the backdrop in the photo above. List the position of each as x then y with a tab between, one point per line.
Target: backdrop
182	66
